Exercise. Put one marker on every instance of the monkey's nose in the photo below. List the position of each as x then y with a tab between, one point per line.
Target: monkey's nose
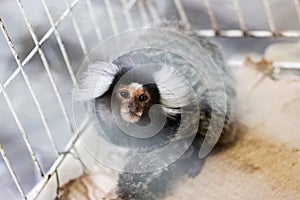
132	106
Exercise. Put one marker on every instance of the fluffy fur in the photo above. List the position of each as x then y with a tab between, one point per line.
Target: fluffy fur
173	89
96	81
173	94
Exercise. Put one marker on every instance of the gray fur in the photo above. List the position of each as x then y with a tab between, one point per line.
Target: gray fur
156	184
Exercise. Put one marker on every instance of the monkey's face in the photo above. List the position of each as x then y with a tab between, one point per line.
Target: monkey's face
135	101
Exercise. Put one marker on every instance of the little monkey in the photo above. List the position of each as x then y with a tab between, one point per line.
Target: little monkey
134	98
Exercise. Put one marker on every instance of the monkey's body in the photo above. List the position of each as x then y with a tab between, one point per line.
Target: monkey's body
155	184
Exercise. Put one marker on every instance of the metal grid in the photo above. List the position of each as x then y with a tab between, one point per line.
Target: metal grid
148	12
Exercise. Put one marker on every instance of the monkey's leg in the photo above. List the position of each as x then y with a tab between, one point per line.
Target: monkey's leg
228	134
156	184
144	186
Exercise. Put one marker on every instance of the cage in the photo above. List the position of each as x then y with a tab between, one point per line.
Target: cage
43	44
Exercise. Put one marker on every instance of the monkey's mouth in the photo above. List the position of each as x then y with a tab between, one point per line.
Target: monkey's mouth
130	116
133	114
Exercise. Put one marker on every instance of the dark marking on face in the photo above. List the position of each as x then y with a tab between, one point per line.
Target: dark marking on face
135	101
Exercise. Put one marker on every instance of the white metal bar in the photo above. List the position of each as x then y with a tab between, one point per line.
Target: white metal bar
204	32
12	172
111	16
153	11
78	32
288	34
232	33
181	12
240	16
22	131
46	65
35	49
130	3
50	31
280	65
297	6
40	186
211	16
94	21
127	14
270	18
11	78
36	102
60	44
143	12
287	65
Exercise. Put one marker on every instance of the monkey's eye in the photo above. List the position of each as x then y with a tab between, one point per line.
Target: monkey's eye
124	94
143	98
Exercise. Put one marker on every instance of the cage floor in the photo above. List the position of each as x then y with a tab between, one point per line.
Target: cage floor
263	164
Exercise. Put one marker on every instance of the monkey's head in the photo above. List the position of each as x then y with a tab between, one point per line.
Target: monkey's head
135	100
131	92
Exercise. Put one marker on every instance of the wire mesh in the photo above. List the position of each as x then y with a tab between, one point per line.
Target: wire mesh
134	13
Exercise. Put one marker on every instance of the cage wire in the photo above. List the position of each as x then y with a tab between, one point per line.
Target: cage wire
134	13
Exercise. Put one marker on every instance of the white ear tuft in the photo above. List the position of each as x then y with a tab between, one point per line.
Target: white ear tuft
95	81
174	89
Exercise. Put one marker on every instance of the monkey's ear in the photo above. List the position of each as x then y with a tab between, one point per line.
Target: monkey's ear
173	88
95	81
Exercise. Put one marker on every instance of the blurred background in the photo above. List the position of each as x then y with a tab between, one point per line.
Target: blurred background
80	30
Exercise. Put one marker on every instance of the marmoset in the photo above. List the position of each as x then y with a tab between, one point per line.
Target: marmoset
133	93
